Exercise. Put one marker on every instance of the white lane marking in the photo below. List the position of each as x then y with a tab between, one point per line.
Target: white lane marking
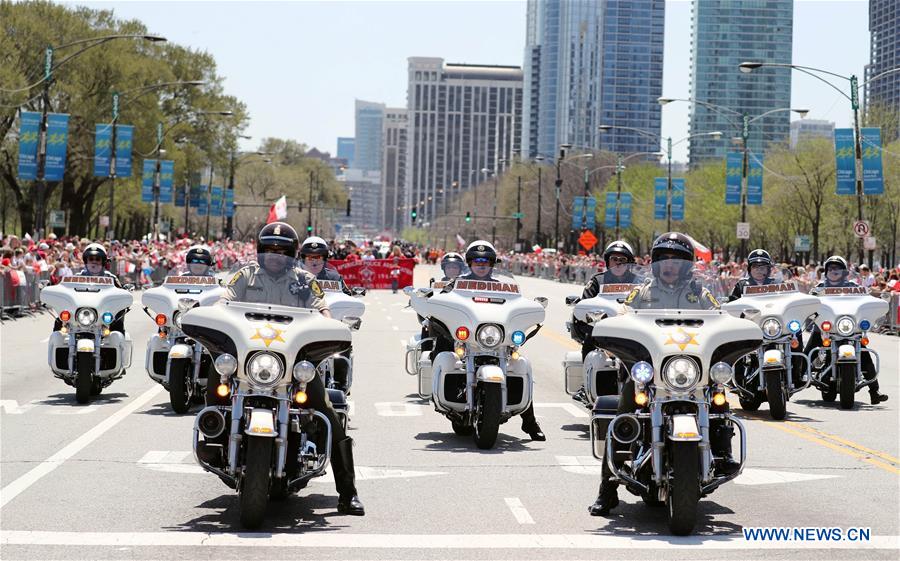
25	481
519	511
397	304
333	541
12	407
171	461
570	408
74	410
364	473
399	409
581	465
407	311
764	477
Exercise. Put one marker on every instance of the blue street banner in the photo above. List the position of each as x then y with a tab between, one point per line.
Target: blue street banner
873	177
846	161
734	162
590	219
198	192
166	181
609	217
625	210
147	181
103	151
755	181
203	206
229	203
678	199
216	202
57	140
179	196
659	199
577	211
29	134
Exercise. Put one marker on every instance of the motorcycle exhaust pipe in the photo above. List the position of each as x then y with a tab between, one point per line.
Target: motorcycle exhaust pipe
626	429
211	423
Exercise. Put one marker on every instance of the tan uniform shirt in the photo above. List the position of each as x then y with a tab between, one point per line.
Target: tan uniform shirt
683	296
294	287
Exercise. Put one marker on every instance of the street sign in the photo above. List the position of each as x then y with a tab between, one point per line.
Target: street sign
861	228
802	244
743	230
587	240
104	221
57	218
869	243
518	215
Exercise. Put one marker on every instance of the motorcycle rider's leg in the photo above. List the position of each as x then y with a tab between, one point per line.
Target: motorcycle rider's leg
587	346
607	496
342	371
869	373
815	340
341	450
720	435
531	426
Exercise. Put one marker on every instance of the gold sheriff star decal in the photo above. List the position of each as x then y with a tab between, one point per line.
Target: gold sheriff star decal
681	339
268	335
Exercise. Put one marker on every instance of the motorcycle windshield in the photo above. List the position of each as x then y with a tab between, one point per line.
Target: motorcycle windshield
677	284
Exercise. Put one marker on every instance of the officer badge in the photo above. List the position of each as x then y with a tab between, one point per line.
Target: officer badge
632	295
296	287
277	231
480	248
316	289
692	298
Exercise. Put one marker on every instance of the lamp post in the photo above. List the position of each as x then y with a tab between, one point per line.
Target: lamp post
487	173
747	67
49	67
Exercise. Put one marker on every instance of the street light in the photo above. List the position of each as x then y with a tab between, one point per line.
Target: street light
750	66
559	182
619	165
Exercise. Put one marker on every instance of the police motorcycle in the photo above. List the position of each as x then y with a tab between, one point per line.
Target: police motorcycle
266	444
174	360
845	316
87	351
482	380
780	310
680	363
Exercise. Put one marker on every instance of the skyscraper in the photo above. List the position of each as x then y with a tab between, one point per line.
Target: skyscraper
592	62
367	146
345	149
461	118
725	34
393	168
805	129
884	55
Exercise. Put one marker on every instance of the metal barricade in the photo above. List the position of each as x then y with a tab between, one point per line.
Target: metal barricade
890	324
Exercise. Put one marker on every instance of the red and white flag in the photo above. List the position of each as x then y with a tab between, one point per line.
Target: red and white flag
277	211
460	241
700	250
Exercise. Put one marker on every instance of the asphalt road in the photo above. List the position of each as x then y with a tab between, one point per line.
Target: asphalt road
115	479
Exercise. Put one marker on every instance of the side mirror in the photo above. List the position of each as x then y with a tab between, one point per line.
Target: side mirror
352	322
543	301
129	287
572	300
358	291
408	290
594	317
185	304
43	284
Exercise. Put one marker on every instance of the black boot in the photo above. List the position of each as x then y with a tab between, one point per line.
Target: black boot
877	397
720	442
607	499
531	426
345	479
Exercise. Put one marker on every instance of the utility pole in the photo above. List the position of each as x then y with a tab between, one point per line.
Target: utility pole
112	165
537	228
156	174
519	212
618	190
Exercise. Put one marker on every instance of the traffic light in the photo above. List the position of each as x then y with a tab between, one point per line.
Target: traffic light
348	207
413	214
300	206
468	217
309	229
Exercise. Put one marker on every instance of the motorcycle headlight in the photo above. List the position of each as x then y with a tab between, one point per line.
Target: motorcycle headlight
489	335
176	319
225	364
845	325
681	373
721	373
304	372
86	316
771	328
642	372
265	369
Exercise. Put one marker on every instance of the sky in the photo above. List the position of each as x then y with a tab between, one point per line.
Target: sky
299	66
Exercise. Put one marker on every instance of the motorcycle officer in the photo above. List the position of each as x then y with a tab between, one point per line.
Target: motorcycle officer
275	280
199	261
836	273
759	267
481	258
314	255
672	286
452	266
96	262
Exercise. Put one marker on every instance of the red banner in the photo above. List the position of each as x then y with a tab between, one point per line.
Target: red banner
375	273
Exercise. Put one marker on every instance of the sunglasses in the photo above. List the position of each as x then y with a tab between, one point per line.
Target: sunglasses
313	258
481	261
618	260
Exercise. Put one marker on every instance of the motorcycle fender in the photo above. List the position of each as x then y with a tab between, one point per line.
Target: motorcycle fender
262	423
846	352
683	428
180	351
490	373
85	346
773	358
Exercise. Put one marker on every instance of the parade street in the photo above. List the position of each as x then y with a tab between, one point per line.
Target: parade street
116	479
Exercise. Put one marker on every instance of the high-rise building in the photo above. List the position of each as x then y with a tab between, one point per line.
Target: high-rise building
393	168
345	146
884	55
367	146
804	129
592	62
364	190
461	118
725	34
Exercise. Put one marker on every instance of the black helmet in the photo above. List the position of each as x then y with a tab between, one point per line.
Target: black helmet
314	245
278	236
480	249
452	258
677	243
759	256
622	248
199	254
95	250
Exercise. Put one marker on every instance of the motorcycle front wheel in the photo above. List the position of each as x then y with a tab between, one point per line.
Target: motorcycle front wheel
489	405
684	491
84	380
254	493
179	378
847	384
775	394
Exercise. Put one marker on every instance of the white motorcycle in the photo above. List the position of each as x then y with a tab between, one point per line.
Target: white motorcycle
845	316
173	359
598	373
769	373
680	361
266	443
338	369
86	351
481	380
